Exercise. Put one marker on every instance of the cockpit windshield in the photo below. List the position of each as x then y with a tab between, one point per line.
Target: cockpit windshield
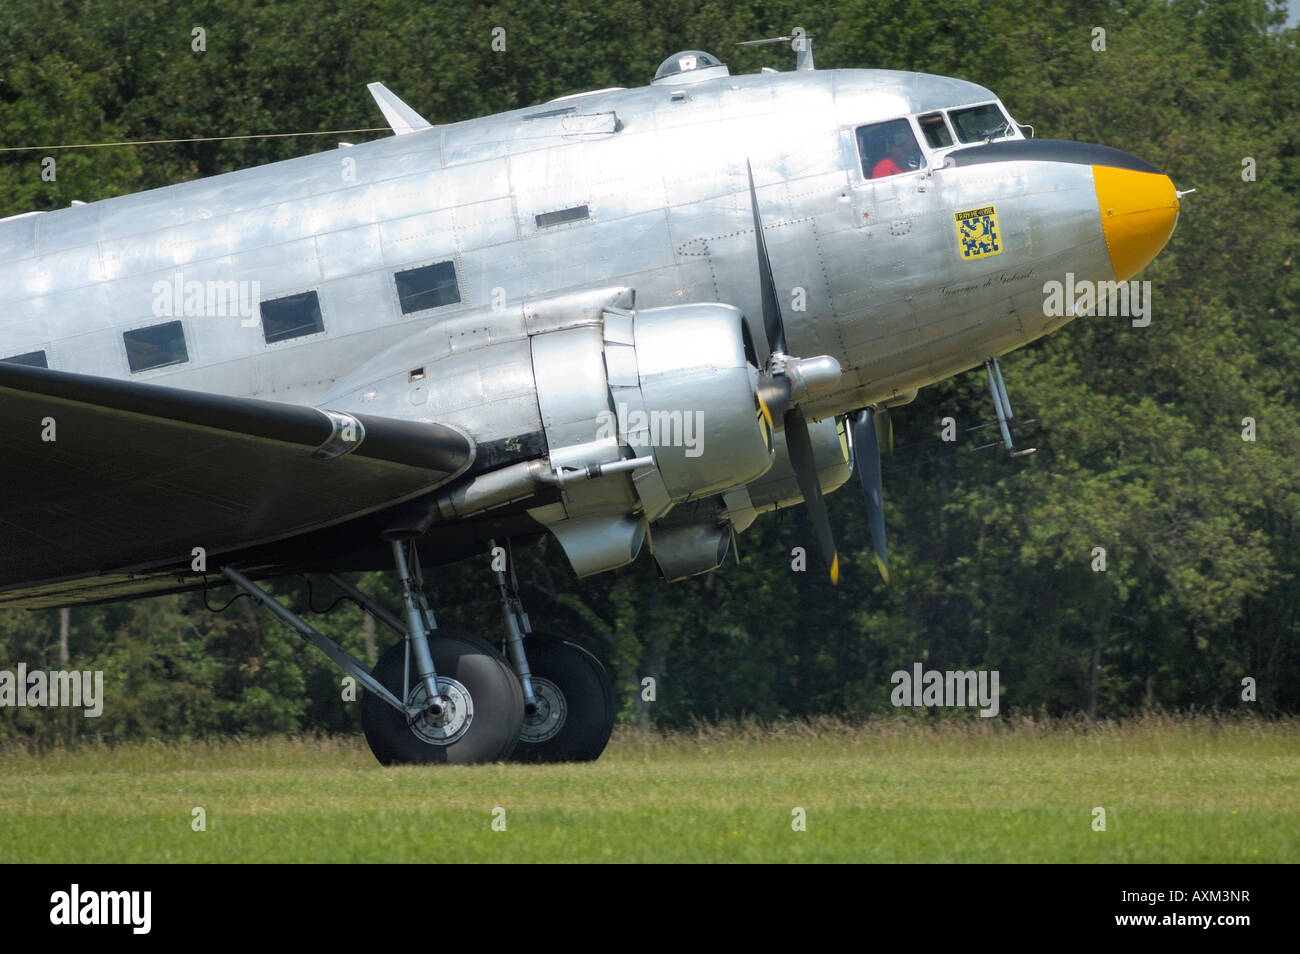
892	148
978	123
935	130
888	149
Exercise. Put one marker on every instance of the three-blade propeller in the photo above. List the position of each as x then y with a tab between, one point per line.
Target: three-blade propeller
781	386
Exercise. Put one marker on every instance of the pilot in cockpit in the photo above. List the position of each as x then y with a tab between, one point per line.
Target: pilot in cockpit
897	150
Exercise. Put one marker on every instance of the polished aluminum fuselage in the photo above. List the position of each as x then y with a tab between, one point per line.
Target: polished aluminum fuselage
662	171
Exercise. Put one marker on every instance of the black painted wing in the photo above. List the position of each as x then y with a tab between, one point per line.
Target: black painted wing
136	475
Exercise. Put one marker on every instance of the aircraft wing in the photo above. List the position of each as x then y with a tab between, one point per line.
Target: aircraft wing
100	476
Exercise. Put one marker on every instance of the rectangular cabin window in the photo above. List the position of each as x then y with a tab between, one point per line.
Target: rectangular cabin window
889	148
978	123
430	286
291	317
563	215
156	346
33	359
935	130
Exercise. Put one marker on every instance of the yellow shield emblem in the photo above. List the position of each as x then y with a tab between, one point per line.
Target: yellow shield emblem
978	235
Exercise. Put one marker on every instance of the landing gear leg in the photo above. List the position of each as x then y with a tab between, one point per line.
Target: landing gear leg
517	625
436	695
569	710
1002	405
468	704
419	620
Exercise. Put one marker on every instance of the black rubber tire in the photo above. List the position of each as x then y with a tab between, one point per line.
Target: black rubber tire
493	689
588	694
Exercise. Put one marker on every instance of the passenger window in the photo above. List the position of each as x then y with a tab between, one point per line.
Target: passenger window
979	123
430	286
33	359
935	130
888	149
291	317
156	346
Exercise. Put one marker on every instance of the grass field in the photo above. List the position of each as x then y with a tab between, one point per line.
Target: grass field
1174	790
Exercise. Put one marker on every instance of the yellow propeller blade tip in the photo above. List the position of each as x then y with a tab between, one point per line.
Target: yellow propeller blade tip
767	414
884	570
835	569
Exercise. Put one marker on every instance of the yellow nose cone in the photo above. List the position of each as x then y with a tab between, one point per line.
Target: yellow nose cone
1138	212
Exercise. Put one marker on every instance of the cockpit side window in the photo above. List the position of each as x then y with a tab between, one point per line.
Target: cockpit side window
978	123
888	149
935	130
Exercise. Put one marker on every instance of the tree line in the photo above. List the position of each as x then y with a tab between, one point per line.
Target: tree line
1140	432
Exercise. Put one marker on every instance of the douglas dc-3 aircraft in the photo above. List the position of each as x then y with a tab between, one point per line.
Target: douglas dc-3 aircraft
620	317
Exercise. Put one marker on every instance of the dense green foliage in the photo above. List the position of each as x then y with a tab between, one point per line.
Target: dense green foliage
1139	430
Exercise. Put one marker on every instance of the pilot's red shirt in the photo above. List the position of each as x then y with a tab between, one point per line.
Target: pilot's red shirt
885	167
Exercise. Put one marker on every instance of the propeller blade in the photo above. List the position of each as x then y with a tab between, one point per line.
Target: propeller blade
800	449
884	429
866	447
772	323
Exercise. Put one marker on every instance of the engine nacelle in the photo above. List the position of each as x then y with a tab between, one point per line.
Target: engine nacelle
779	488
684	391
675	387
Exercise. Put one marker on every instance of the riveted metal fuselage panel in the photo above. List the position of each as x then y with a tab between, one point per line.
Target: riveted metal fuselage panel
867	271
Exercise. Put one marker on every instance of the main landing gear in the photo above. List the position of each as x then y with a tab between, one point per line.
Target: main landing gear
568	698
445	696
475	717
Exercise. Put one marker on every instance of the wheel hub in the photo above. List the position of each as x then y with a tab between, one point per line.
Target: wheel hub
447	718
548	718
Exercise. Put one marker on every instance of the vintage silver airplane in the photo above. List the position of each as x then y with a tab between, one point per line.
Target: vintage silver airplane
622	316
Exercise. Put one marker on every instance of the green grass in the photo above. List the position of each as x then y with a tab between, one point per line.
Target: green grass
1174	790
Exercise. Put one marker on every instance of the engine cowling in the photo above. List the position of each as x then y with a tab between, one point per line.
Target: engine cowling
695	537
675	387
778	487
685	392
